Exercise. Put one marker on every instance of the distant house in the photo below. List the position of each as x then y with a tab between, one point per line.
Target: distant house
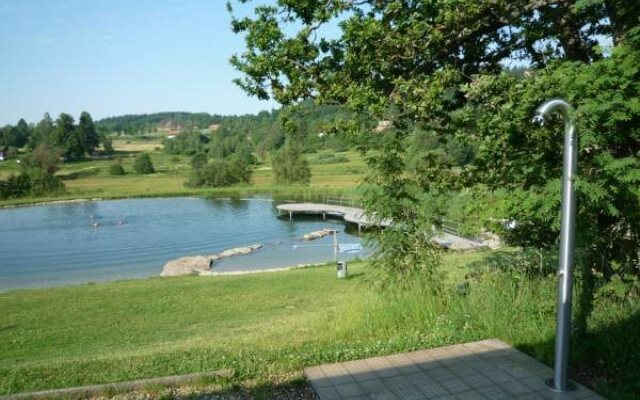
2	155
213	127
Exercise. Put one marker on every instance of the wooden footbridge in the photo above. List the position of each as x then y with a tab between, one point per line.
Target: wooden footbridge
352	215
448	238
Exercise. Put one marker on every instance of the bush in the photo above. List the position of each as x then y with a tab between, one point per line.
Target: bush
198	160
220	172
116	169
143	165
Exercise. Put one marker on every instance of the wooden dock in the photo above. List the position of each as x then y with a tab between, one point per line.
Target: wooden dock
357	216
352	215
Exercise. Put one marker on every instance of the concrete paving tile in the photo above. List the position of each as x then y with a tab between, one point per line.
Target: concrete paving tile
444	397
530	396
534	382
384	395
350	390
498	376
494	392
455	385
322	382
365	376
487	369
397	381
399	360
415	377
382	368
408	393
515	388
518	372
476	380
432	390
419	356
328	393
470	395
441	374
337	374
356	367
373	386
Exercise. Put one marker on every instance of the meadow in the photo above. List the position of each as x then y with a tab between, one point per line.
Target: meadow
91	179
267	327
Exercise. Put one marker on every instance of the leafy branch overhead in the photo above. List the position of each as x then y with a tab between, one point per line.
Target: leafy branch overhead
469	72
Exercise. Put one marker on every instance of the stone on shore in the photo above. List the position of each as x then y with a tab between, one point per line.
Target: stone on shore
238	251
200	265
193	265
318	234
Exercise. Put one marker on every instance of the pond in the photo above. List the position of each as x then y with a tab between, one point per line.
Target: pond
69	243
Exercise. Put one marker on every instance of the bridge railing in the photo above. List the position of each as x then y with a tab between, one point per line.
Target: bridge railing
341	201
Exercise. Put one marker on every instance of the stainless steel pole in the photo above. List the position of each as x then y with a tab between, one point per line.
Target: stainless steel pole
559	382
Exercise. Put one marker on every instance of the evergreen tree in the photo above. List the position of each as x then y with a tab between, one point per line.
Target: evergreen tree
65	136
143	165
87	133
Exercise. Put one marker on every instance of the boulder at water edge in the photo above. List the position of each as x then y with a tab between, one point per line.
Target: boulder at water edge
187	266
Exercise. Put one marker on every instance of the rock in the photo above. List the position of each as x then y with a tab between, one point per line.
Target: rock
201	265
318	234
193	265
238	251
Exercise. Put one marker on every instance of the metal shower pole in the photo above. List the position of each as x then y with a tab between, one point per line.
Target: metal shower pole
559	382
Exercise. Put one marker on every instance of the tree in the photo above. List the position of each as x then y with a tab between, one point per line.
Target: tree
87	133
15	136
37	176
66	137
143	165
42	132
220	172
426	65
289	166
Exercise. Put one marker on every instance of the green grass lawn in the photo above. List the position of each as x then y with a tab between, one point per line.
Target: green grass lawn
268	326
91	179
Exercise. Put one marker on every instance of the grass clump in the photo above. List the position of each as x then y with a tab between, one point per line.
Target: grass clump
116	169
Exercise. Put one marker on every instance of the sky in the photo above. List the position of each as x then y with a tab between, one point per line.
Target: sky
115	57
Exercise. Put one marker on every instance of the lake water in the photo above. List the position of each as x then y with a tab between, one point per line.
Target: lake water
59	244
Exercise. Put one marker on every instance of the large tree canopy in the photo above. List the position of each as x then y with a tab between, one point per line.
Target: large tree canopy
471	71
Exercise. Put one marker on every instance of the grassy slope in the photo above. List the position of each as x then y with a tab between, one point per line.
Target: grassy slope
267	326
142	328
91	179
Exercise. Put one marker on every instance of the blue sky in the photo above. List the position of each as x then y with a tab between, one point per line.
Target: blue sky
114	57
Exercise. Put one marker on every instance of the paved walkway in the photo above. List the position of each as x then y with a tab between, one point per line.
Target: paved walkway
489	369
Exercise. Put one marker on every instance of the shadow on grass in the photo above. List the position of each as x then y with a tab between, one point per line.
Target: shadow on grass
606	359
294	389
85	173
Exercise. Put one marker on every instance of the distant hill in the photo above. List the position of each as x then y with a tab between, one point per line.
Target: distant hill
138	124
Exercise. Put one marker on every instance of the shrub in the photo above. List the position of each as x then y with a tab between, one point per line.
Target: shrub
198	160
143	165
116	169
220	172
